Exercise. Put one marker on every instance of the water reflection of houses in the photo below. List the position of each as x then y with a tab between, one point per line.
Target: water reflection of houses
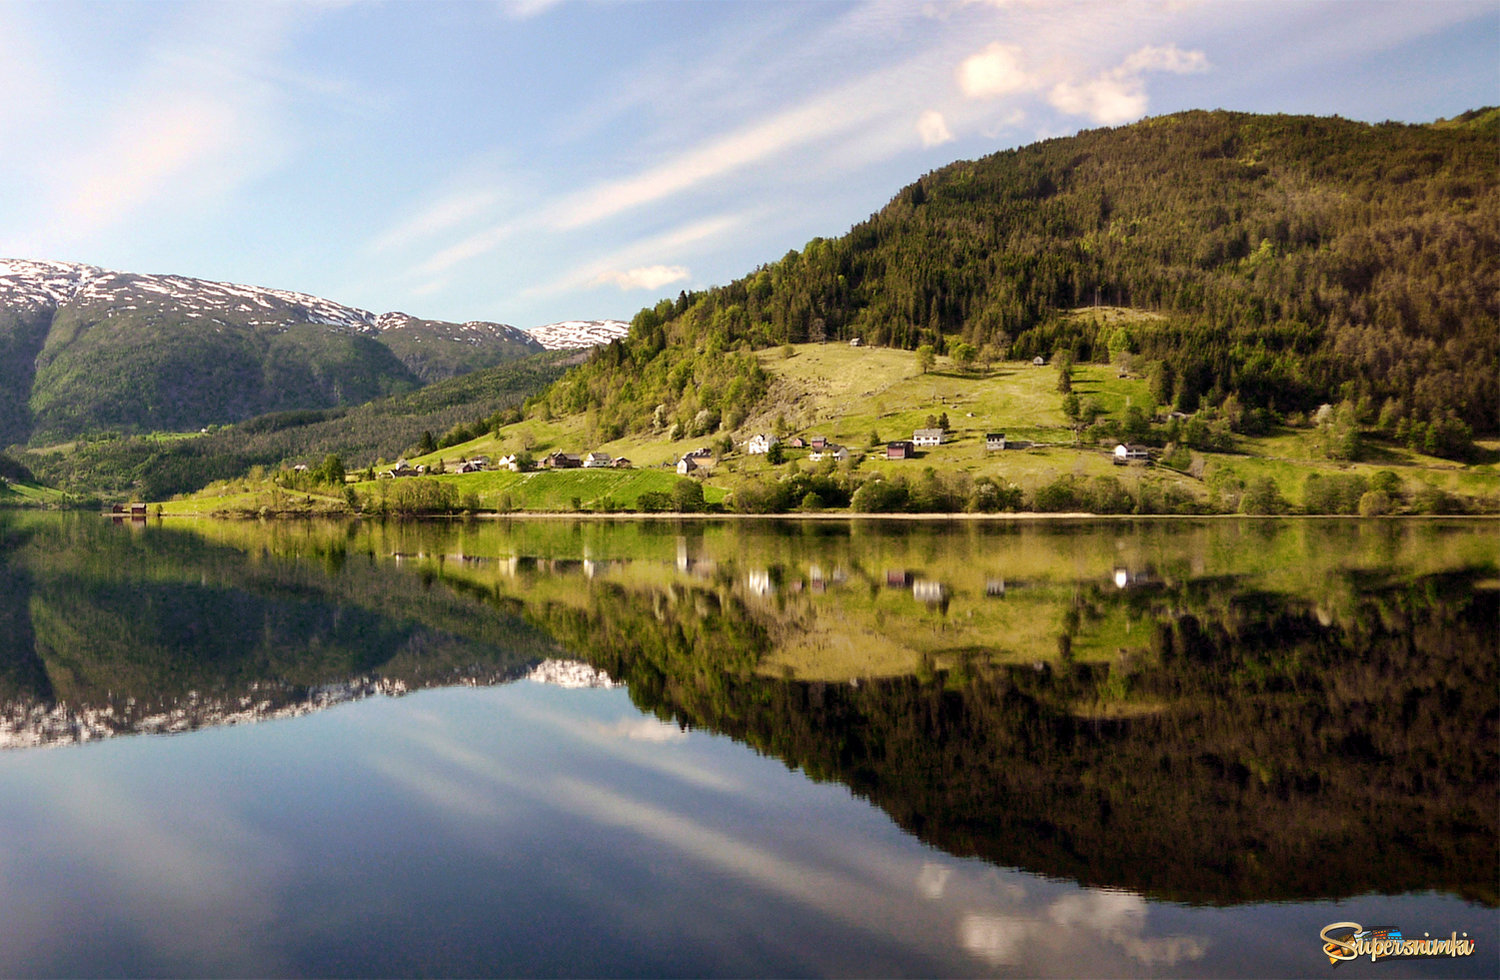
928	591
691	563
1126	578
820	581
897	579
758	583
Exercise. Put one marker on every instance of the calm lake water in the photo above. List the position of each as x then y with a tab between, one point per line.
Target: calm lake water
741	748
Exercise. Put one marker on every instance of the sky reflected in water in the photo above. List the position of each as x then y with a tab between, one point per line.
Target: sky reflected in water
528	829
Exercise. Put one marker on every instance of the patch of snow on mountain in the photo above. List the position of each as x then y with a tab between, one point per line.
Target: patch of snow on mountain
570	673
44	283
578	334
36	283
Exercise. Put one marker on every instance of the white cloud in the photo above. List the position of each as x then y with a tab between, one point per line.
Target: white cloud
646	277
994	72
527	9
601	271
1105	100
1119	95
815	120
467	248
933	129
1168	58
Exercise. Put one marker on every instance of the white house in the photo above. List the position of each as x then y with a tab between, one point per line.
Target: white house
1131	453
760	443
927	437
596	460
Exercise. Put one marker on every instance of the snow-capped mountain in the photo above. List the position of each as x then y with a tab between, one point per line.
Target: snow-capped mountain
578	334
85	349
57	284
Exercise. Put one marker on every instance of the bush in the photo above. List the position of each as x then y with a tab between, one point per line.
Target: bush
1058	496
1262	496
987	496
654	502
1434	500
687	496
410	497
1333	494
880	497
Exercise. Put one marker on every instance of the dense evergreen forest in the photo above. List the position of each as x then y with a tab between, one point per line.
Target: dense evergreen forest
1297	261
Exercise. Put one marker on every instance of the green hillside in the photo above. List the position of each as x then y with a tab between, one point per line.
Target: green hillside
1288	262
154	466
863	398
85	351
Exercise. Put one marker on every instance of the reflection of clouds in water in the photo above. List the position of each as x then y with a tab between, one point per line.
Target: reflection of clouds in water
1047	928
932	880
607	738
996	939
1088	919
642	729
184	879
1108	911
448	795
831	892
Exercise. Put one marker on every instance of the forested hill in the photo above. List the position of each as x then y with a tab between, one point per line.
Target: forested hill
1297	260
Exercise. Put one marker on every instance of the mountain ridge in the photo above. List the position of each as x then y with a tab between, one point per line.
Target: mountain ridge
87	349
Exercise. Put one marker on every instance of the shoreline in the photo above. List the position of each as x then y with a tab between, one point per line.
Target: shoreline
960	516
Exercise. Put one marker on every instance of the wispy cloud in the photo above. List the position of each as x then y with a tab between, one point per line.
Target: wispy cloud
201	117
814	120
527	9
163	145
645	277
651	256
438	218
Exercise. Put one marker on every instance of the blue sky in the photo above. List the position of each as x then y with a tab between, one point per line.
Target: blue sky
537	161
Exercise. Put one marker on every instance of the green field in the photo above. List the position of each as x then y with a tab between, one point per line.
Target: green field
30	495
863	397
851	395
555	490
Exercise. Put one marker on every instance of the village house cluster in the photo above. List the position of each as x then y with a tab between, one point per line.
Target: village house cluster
700	461
405	469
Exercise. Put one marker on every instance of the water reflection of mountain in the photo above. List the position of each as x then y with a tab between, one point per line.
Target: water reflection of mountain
106	632
1247	747
1249	712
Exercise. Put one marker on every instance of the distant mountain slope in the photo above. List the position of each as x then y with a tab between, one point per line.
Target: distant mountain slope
579	334
84	349
1294	260
153	468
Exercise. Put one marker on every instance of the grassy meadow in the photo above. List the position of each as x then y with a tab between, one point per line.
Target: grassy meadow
864	397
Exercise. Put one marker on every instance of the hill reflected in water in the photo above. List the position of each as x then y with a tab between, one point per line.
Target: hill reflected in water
1218	712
